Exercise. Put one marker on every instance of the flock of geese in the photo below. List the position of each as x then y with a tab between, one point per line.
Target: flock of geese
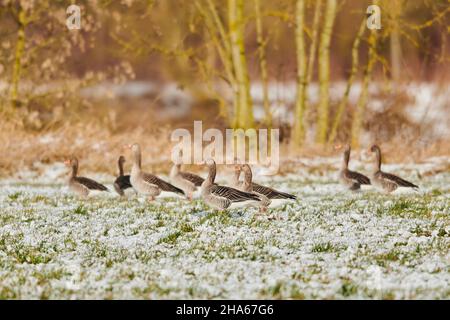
218	196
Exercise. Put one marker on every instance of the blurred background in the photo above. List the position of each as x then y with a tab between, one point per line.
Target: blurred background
135	70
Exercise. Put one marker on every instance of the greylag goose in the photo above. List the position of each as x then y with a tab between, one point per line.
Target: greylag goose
146	183
81	185
221	197
350	179
123	181
247	186
186	181
270	193
234	182
386	181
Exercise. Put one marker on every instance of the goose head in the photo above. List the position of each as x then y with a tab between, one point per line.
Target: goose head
136	150
72	162
120	162
237	166
374	148
346	147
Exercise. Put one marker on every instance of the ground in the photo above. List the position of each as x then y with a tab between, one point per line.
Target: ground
328	244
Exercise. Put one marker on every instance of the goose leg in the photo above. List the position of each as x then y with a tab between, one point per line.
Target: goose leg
262	209
355	186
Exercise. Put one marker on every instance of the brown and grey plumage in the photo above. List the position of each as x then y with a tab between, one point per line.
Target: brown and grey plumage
186	181
221	197
247	186
351	179
272	193
81	185
146	183
386	181
192	177
266	191
123	181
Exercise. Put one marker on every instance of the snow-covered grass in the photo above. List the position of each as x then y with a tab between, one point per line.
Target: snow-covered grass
328	244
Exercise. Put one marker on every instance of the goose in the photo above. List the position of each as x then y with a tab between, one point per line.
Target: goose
146	183
270	193
80	185
350	179
221	197
234	182
247	186
122	182
186	181
386	181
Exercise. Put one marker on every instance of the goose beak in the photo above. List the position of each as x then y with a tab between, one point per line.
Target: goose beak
338	147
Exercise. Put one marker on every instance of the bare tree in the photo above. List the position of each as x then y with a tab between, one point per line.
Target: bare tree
299	125
244	116
324	71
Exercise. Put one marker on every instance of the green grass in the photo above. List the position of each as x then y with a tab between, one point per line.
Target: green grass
170	238
115	248
81	210
14	196
348	288
411	207
323	247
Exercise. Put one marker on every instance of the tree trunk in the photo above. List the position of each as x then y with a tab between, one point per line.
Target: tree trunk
299	127
19	51
324	71
236	29
314	35
263	64
351	77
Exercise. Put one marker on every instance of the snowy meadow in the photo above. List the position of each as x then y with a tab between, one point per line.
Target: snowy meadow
329	244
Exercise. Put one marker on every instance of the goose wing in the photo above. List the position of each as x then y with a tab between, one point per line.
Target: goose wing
271	193
195	179
163	185
357	177
233	194
90	184
122	183
399	181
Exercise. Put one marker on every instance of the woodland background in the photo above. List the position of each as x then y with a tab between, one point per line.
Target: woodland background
138	69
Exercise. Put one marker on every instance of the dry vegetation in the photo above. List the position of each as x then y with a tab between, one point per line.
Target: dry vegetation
215	51
98	148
